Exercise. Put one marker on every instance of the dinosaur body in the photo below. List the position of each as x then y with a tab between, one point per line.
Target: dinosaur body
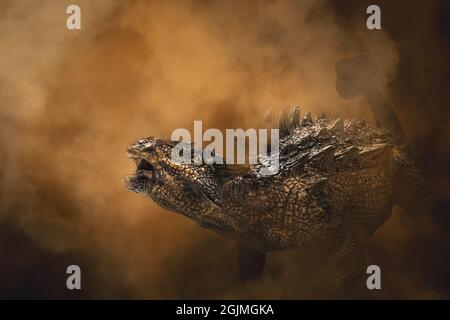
334	175
337	183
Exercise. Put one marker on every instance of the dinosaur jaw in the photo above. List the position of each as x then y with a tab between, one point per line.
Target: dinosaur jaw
144	177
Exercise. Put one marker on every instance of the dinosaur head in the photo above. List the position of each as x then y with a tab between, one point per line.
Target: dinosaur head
183	187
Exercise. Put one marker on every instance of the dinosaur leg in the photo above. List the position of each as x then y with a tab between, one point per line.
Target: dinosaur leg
416	195
344	269
251	263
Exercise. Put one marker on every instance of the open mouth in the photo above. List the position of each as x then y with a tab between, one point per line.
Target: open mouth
143	165
143	178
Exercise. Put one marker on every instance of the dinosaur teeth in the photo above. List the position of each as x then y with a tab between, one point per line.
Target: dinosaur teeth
132	157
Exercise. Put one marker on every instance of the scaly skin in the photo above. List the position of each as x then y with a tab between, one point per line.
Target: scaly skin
337	183
334	188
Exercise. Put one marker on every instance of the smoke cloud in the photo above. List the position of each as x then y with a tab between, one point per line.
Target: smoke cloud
72	101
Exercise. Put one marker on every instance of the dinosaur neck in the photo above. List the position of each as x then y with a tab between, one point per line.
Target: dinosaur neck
210	216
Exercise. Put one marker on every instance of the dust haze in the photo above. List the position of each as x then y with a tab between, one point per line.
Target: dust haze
72	101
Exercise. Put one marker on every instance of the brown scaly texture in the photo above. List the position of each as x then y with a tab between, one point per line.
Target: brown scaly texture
337	183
